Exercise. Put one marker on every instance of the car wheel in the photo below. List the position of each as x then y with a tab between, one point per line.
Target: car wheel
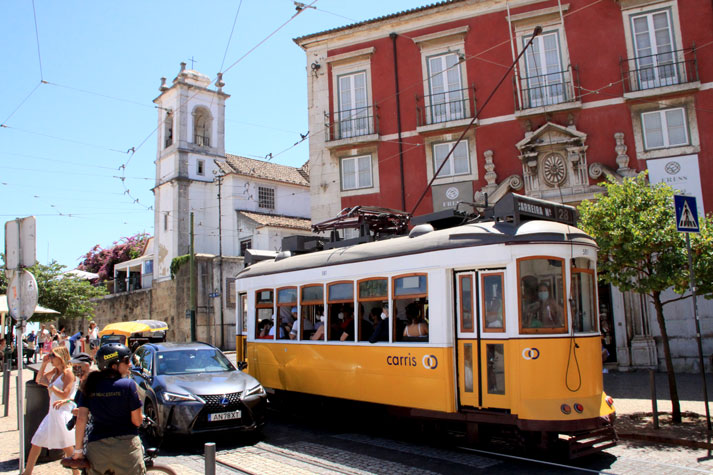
152	432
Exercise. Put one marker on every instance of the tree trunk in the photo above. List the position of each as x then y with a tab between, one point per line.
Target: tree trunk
675	404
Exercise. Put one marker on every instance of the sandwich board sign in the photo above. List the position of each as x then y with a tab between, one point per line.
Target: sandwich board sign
686	214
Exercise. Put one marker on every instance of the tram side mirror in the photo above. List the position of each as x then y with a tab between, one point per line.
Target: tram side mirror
242	365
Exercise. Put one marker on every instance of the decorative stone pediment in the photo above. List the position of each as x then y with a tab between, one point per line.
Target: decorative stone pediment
554	161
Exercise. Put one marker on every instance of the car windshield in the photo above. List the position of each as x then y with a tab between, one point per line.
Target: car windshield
192	361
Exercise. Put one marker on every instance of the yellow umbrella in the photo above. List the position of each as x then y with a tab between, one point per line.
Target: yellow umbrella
137	326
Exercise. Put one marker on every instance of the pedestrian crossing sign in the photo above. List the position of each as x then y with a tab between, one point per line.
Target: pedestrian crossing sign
686	214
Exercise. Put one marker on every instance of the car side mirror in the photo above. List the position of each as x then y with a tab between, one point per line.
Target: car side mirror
242	365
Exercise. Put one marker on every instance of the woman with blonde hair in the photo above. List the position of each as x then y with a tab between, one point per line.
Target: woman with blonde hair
52	432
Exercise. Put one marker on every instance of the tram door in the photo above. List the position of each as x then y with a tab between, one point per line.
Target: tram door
467	339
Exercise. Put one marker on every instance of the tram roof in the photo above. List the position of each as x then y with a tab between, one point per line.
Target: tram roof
468	235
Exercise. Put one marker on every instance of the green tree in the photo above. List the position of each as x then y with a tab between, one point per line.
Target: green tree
65	293
641	251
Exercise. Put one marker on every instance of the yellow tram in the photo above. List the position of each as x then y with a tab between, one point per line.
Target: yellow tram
492	322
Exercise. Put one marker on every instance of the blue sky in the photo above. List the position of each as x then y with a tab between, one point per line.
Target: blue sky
63	143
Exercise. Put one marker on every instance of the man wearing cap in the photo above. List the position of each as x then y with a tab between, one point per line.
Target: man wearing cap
307	325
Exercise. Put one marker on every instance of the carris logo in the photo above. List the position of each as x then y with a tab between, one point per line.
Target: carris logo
430	361
530	353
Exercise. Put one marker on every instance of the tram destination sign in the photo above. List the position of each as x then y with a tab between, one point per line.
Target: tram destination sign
522	208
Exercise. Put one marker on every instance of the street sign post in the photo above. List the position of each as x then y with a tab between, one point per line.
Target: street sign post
20	252
687	222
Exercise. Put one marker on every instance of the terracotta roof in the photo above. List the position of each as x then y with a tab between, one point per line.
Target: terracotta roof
279	221
263	169
377	19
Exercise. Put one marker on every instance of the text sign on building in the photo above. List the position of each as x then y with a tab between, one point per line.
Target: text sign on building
20	243
686	214
448	196
681	174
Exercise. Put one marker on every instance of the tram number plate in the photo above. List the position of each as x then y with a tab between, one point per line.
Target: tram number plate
224	416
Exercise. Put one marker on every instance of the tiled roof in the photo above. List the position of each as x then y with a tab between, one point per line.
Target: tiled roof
377	19
263	169
278	220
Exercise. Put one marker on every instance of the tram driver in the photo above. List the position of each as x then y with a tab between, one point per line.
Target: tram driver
546	311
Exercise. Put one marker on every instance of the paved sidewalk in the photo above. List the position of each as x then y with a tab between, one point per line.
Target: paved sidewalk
10	439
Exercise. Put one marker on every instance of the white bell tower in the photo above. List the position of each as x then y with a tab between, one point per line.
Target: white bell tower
191	136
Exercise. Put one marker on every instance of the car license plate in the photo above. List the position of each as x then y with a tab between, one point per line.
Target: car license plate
224	416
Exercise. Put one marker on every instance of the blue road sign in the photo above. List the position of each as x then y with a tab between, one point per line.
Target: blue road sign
686	214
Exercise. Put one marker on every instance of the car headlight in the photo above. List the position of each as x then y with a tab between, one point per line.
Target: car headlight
176	397
256	391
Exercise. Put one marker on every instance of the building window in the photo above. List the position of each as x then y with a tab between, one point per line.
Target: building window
201	127
654	49
266	197
230	292
356	172
168	130
544	82
353	118
148	267
165	221
447	96
664	128
245	244
458	163
200	167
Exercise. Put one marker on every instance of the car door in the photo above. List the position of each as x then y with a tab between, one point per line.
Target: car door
142	371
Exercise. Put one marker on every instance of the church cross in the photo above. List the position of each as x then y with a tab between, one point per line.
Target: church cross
192	61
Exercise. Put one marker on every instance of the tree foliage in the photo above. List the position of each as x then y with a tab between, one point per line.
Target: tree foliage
101	261
640	250
65	293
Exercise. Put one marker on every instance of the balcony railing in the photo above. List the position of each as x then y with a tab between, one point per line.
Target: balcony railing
352	123
445	106
659	70
547	89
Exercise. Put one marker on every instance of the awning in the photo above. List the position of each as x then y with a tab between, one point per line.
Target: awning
39	309
137	326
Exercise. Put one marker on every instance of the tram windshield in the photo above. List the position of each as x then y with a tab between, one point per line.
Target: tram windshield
542	291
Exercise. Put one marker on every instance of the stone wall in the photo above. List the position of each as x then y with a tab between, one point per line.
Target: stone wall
168	301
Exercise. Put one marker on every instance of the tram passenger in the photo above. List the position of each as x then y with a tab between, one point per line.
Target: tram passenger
381	329
546	312
307	325
319	321
264	328
417	329
347	325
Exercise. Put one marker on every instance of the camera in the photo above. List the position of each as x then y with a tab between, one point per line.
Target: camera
71	423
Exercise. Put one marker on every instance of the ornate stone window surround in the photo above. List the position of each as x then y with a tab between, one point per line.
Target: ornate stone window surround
429	142
688	103
440	43
358	152
351	63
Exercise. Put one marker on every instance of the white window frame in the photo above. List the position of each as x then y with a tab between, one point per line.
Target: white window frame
546	82
643	77
453	97
343	65
357	159
665	130
354	120
449	168
687	103
443	43
469	140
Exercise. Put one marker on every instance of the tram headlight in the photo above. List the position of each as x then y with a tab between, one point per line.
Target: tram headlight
566	410
578	407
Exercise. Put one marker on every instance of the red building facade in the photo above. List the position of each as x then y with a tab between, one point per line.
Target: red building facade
609	88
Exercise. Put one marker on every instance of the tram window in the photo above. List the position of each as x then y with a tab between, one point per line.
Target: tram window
496	368
340	311
286	312
411	308
312	312
541	295
466	303
372	294
584	305
493	304
264	314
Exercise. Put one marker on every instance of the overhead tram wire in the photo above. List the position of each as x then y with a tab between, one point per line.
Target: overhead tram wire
37	38
235	21
3	124
536	32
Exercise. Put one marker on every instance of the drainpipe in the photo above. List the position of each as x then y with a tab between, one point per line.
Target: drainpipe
398	122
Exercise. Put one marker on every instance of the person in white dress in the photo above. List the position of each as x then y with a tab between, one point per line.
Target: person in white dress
52	432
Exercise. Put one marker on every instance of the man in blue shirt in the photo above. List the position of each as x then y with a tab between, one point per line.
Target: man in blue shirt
113	442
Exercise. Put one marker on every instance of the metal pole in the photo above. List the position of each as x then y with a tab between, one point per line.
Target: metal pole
220	263
193	285
209	458
654	402
698	336
20	394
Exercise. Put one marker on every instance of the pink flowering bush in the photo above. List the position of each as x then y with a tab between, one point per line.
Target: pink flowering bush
102	261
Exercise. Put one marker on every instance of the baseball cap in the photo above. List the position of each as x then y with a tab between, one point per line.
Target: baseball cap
81	358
